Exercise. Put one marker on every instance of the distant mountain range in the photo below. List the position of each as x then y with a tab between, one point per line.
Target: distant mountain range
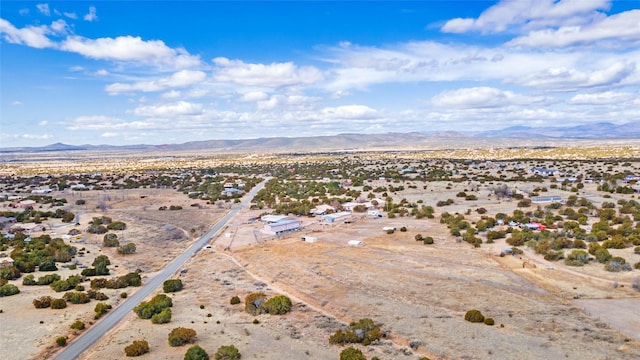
516	136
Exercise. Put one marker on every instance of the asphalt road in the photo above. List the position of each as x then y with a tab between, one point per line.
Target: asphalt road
112	318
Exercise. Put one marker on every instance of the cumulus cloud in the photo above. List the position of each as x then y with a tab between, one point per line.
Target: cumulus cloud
182	78
43	9
37	136
102	122
109	134
529	14
168	110
350	112
70	15
16	103
130	48
33	36
568	79
91	15
172	94
482	97
603	98
619	30
254	96
272	75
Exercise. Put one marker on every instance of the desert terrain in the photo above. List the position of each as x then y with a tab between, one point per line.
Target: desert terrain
418	293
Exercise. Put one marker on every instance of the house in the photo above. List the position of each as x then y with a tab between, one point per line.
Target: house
231	192
273	218
280	227
6	262
78	187
41	191
322	209
544	171
4	221
356	243
342	215
309	239
545	199
630	178
26	204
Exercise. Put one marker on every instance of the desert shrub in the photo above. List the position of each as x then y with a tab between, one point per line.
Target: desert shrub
3	282
390	231
8	290
352	353
162	317
172	285
78	325
123	295
418	237
474	316
47	264
58	303
577	258
180	336
101	309
48	279
61	341
489	321
128	248
235	300
117	225
42	302
146	309
137	348
76	297
403	229
88	272
278	305
227	352
10	272
617	264
196	353
636	250
110	240
132	278
364	331
524	203
253	303
96	295
28	280
635	283
428	240
637	265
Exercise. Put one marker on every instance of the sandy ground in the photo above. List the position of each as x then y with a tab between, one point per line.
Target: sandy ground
418	293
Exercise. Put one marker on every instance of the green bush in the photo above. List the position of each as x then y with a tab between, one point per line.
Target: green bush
352	353
227	352
110	240
235	300
403	229
129	248
196	353
489	321
577	258
474	316
180	336
28	280
78	325
58	304
172	285
162	317
146	309
418	237
61	341
278	305
42	302
428	240
123	295
137	348
637	265
76	297
364	331
101	309
8	290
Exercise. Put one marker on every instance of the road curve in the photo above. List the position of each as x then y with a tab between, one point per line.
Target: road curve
112	318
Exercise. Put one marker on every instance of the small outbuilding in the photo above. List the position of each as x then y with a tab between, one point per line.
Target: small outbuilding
357	243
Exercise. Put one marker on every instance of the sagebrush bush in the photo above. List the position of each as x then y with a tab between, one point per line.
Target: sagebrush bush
162	317
489	321
61	341
196	353
235	300
253	303
352	353
180	336
137	348
42	302
474	316
78	325
278	305
58	303
146	309
227	352
364	331
172	285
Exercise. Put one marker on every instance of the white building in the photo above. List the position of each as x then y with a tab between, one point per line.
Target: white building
281	227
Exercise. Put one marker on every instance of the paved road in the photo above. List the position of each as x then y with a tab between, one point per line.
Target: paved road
89	337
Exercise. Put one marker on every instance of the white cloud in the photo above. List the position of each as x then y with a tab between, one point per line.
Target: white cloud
70	15
23	12
272	75
109	134
168	110
130	48
16	103
254	96
603	98
91	15
172	94
182	78
482	97
102	122
102	72
33	36
43	123
619	30
350	112
43	9
567	79
37	136
529	14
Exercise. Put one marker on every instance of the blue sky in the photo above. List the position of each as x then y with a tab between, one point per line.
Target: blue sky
154	72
